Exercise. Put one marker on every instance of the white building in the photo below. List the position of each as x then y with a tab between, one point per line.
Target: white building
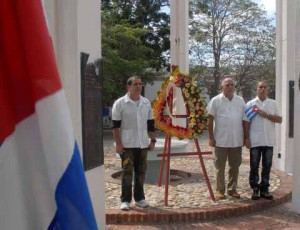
75	27
287	154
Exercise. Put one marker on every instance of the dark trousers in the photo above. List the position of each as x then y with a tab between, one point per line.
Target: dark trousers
266	154
133	159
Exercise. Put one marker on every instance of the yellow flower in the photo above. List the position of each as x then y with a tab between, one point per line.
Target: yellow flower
194	101
173	79
192	122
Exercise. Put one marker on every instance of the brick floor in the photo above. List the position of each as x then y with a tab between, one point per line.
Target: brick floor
262	214
276	218
186	215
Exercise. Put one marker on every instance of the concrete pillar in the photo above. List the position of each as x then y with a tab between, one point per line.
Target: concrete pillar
179	51
278	89
284	73
75	27
180	34
296	159
288	68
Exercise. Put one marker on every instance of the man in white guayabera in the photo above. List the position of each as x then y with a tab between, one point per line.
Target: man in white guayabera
226	133
262	113
133	125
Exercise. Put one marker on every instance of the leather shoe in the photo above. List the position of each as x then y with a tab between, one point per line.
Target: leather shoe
255	194
220	196
234	194
266	195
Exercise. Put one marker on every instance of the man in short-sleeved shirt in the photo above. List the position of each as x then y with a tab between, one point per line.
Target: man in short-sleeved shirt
133	124
226	134
262	139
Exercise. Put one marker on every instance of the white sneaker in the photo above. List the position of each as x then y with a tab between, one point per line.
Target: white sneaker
141	204
125	206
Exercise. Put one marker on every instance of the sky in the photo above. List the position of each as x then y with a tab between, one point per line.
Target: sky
268	5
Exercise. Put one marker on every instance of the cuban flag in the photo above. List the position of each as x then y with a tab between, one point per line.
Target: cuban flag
251	111
42	181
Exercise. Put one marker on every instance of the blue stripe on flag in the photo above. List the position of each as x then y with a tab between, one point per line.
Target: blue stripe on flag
249	113
249	109
74	206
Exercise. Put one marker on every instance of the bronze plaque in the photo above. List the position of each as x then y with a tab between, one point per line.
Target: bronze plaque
91	103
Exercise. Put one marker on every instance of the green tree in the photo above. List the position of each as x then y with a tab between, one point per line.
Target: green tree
124	55
135	41
255	60
145	14
228	35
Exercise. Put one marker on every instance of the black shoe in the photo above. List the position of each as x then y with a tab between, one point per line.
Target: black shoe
255	194
266	195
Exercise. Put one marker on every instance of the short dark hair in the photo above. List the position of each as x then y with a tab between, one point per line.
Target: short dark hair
262	82
131	79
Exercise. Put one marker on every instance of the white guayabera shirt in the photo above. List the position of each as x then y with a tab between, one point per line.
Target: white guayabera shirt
228	120
262	130
133	117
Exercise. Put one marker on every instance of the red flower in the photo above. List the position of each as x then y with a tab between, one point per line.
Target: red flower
194	102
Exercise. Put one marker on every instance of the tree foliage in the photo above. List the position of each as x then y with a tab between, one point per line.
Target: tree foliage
135	39
231	38
123	55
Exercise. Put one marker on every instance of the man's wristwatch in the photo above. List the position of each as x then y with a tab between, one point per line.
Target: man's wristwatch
153	140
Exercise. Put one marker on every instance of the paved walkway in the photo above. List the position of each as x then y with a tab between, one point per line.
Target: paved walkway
276	218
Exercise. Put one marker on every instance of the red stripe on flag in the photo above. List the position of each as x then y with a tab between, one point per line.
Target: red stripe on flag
28	70
255	109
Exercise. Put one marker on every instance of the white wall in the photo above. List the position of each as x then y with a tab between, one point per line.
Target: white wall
296	159
288	68
89	41
278	147
75	27
89	28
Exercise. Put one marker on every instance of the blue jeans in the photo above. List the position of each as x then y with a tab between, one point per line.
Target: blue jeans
133	159
266	154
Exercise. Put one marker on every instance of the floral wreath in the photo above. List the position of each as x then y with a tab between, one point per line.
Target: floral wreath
194	103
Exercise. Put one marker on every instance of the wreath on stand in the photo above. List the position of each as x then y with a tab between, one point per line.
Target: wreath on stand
194	103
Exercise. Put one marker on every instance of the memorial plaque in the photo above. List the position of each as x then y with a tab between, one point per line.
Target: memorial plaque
91	102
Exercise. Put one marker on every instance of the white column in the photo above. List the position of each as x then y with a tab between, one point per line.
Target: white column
89	41
75	27
285	73
180	34
179	50
279	77
296	168
67	54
